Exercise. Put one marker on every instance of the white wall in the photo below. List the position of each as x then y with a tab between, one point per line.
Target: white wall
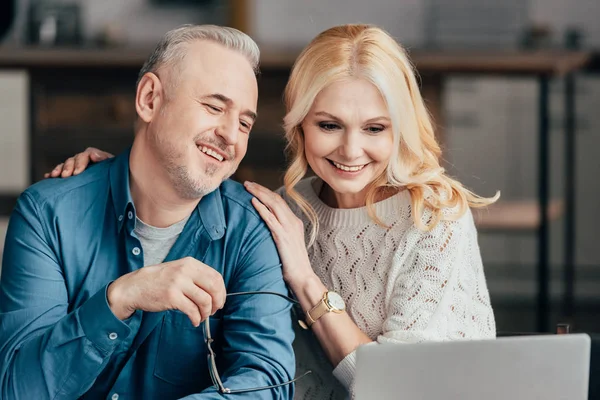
142	22
139	22
277	22
14	138
3	227
287	23
561	14
14	131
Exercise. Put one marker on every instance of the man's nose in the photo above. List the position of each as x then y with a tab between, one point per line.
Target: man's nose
229	130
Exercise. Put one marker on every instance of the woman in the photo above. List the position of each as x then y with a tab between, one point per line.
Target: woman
380	246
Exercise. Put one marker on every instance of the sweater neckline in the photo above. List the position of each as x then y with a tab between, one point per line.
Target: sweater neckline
329	216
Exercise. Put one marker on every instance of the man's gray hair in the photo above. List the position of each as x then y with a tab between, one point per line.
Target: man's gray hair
171	48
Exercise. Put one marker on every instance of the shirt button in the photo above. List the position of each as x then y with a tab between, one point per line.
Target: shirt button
115	396
130	215
113	336
136	251
120	218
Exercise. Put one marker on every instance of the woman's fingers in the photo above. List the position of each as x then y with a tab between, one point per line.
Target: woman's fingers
81	162
68	167
78	163
267	216
97	155
271	200
57	170
91	154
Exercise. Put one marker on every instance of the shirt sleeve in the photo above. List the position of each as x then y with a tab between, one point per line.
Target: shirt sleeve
46	349
257	329
437	292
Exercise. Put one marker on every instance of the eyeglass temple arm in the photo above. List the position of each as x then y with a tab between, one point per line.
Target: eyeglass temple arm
260	292
226	390
207	323
207	332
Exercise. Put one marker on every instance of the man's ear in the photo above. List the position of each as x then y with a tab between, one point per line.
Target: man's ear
149	97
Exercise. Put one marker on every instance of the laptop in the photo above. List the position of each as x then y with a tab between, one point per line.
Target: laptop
548	367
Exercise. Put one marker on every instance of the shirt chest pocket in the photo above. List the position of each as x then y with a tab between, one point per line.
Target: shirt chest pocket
182	352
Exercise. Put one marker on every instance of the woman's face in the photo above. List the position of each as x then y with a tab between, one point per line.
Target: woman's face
348	138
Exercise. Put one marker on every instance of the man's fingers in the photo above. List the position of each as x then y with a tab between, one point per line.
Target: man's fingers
175	298
189	308
213	285
207	279
201	299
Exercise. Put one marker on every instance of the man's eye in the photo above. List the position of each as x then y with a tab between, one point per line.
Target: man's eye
245	125
213	108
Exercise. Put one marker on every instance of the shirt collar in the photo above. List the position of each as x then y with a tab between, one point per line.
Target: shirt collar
209	209
119	187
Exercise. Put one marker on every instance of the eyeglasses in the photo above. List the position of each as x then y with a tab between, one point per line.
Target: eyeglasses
212	365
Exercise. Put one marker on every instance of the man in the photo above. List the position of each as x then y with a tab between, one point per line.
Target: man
108	275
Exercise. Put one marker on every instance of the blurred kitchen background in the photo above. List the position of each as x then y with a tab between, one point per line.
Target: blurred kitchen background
513	86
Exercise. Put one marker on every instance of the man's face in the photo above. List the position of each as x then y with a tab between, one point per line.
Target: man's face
200	133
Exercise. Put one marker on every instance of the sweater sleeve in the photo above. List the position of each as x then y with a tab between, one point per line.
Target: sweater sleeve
439	292
436	291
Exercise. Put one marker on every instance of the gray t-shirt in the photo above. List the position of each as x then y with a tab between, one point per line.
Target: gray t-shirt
157	242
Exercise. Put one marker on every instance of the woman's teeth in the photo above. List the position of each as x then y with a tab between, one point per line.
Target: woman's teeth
347	168
211	153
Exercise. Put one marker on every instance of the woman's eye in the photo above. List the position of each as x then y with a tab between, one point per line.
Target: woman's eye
328	126
375	129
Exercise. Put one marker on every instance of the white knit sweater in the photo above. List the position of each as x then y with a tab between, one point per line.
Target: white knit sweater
400	284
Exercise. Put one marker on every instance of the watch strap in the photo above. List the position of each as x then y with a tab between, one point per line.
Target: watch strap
317	311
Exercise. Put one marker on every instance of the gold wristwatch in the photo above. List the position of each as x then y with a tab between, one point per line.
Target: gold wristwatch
331	302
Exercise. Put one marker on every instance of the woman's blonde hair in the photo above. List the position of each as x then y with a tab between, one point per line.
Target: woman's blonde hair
370	53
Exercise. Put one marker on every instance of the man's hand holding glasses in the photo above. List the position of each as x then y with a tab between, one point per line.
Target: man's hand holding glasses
187	285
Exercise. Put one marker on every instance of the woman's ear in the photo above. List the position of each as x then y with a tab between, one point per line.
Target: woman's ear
149	97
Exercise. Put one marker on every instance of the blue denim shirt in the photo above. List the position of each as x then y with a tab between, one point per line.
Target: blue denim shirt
69	238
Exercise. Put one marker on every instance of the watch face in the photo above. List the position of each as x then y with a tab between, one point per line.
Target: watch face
336	301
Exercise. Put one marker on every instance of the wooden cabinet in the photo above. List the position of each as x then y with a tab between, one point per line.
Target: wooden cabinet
73	108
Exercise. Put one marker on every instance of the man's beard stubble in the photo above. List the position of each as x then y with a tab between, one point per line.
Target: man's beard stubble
185	184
